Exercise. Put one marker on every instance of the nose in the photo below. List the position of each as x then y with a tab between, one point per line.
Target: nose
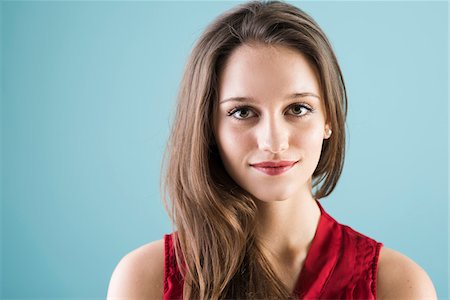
273	135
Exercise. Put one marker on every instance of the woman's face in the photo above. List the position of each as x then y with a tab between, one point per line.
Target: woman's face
269	110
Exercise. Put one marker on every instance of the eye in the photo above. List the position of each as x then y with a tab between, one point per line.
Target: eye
240	112
298	108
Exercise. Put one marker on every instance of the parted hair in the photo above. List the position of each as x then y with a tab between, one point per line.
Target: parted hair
216	247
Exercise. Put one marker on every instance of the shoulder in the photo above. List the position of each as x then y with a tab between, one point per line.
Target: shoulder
139	274
399	277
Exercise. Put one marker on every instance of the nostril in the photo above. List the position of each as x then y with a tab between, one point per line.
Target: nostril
274	143
274	148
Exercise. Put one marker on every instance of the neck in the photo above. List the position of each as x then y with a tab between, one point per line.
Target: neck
286	228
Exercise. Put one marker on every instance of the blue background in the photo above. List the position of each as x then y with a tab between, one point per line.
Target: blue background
88	93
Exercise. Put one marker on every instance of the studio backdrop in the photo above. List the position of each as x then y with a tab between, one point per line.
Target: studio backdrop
88	94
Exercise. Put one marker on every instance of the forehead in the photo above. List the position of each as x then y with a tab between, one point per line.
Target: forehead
260	71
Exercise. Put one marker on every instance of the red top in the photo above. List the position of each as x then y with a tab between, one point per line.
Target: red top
341	264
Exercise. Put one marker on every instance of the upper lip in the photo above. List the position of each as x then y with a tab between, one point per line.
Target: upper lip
274	164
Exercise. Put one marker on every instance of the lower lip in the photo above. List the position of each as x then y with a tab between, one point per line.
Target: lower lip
274	171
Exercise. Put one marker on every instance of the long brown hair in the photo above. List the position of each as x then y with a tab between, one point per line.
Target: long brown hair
216	246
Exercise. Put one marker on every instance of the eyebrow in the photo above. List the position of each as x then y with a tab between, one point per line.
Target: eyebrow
291	96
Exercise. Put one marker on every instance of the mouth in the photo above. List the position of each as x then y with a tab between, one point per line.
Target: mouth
274	168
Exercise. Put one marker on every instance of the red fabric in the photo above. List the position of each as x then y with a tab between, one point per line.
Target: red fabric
341	264
173	280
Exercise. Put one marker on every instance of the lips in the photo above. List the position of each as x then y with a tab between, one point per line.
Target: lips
273	168
274	164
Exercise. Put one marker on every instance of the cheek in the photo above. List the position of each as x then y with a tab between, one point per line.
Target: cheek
227	135
225	139
309	137
234	147
309	140
233	141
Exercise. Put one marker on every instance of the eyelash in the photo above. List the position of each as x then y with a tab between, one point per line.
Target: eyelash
231	112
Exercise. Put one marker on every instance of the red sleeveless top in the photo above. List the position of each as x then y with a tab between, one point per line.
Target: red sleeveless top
340	264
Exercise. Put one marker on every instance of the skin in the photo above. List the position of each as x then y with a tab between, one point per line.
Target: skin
274	127
288	215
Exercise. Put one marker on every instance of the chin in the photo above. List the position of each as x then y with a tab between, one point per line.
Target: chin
272	196
271	200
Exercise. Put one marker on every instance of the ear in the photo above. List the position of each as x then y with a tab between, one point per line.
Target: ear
327	131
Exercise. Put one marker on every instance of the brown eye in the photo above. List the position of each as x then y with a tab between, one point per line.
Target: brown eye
243	113
298	109
240	113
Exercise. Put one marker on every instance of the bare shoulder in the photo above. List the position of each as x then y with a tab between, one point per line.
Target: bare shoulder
139	274
399	277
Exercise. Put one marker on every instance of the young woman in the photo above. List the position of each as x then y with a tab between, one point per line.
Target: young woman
260	123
